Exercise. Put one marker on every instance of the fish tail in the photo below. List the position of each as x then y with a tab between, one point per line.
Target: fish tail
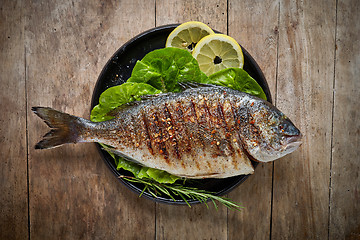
65	128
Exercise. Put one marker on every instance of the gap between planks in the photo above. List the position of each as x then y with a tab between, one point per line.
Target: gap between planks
275	99
332	118
26	127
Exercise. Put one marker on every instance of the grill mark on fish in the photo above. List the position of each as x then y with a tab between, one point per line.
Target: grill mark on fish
171	131
224	124
220	111
164	124
126	134
233	137
207	110
189	138
132	126
139	130
214	134
238	128
206	126
181	131
210	118
199	141
146	132
193	110
185	143
235	140
159	137
200	110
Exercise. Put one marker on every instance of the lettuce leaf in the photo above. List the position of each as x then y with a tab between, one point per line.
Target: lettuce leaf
238	79
164	68
145	172
161	176
113	97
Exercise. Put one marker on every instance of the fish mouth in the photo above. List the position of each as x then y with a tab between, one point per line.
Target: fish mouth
293	138
293	142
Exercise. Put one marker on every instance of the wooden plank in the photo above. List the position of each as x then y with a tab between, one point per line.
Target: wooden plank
180	222
345	177
254	24
13	160
212	12
73	195
304	93
197	222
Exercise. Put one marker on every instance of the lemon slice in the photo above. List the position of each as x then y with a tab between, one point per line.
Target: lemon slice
216	52
187	35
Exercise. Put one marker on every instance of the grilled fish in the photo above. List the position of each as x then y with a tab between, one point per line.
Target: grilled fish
205	132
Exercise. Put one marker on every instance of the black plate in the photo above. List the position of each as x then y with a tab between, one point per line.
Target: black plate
118	70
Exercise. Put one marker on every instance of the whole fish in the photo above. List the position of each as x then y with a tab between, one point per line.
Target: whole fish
205	132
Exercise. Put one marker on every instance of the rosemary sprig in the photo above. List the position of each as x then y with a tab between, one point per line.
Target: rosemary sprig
157	189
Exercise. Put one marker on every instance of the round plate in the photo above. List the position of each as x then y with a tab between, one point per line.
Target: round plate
118	69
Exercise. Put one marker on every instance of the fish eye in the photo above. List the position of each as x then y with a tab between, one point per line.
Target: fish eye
287	128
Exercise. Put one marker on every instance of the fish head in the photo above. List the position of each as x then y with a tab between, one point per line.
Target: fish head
270	134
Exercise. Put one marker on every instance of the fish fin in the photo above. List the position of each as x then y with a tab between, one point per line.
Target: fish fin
142	98
115	112
190	85
205	175
120	154
65	128
121	108
149	97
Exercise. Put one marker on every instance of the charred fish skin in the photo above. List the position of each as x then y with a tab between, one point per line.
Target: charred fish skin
183	135
198	133
212	130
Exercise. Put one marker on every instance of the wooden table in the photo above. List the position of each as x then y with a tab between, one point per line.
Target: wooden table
51	55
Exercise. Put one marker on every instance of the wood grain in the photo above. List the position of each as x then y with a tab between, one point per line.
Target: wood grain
174	222
51	53
345	177
197	222
304	93
13	160
256	29
211	12
73	195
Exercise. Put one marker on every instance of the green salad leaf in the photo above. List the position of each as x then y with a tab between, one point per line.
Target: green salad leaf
116	96
238	79
142	172
132	167
164	68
